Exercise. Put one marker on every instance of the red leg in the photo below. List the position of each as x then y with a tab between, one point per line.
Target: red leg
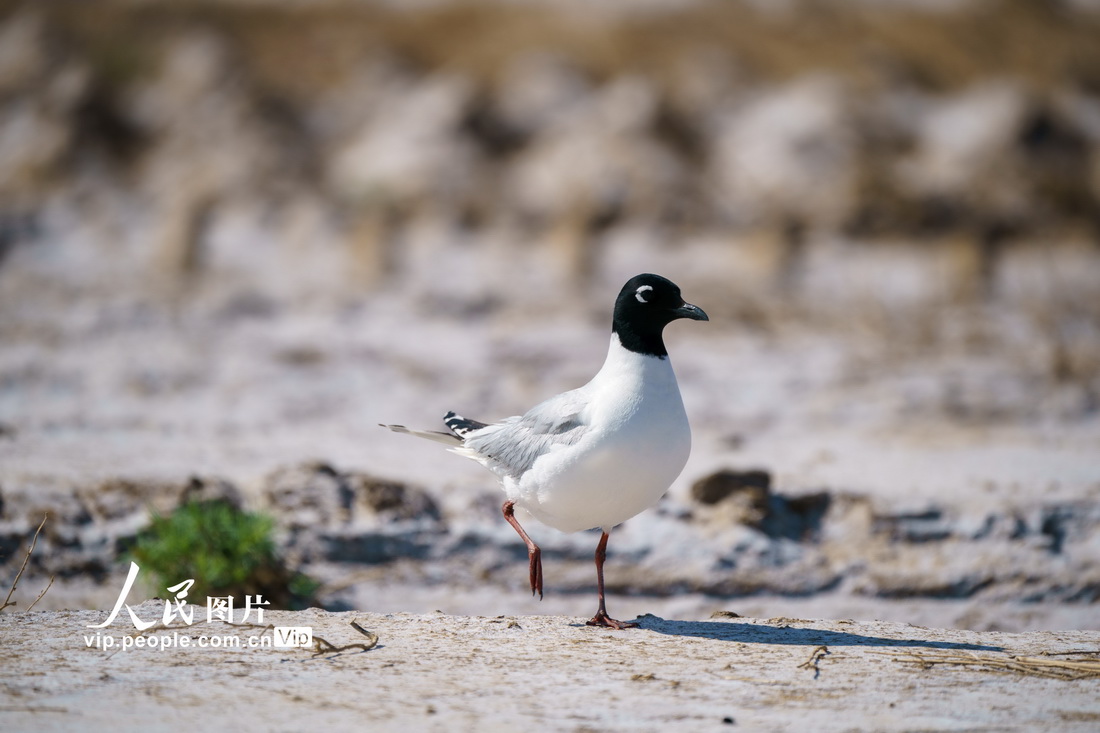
601	618
534	554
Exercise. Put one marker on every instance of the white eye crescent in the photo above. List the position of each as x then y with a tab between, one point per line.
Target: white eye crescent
639	291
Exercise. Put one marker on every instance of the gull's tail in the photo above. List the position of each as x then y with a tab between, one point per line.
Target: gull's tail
460	427
447	438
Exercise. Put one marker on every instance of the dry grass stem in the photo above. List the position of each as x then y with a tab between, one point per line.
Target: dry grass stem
1029	666
15	583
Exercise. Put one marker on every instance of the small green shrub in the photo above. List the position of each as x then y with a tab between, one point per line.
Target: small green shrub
228	552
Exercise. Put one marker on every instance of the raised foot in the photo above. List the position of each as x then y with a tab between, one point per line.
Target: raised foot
535	557
605	621
534	554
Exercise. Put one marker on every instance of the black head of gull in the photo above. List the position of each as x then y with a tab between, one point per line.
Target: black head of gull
646	304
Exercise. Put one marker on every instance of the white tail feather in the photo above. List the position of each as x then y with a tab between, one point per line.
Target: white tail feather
445	438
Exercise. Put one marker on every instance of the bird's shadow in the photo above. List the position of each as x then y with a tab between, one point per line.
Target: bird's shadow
783	633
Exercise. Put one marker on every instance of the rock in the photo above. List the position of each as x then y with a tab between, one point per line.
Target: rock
538	91
23	52
598	162
116	498
388	500
746	498
315	495
721	485
309	496
796	517
211	489
788	152
405	148
962	146
351	517
926	526
356	546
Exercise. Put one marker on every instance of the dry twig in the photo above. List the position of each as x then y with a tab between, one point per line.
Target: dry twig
39	598
323	646
15	583
1068	669
815	658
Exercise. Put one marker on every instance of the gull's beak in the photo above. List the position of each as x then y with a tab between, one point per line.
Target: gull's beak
694	312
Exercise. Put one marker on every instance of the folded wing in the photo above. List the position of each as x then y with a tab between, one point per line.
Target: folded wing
512	446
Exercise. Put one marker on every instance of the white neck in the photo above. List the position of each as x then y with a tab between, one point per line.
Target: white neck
629	369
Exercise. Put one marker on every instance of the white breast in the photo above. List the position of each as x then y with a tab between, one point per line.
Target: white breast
638	443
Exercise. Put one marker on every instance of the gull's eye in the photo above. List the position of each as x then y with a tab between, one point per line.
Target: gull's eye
640	293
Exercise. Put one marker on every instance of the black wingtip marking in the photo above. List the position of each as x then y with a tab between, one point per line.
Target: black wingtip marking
461	426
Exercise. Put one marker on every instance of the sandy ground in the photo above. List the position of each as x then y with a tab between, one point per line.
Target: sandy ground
444	672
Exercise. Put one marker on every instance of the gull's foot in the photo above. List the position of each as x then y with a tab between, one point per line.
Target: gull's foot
602	619
534	554
535	557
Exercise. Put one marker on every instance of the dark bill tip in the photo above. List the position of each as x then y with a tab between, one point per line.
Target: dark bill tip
694	312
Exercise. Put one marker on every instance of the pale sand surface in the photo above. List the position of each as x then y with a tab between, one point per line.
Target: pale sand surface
443	672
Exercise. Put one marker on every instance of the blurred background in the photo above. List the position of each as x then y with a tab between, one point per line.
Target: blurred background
235	235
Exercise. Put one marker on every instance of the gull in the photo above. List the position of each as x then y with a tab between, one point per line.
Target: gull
595	456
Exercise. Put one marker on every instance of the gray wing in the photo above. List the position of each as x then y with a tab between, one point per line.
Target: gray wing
512	446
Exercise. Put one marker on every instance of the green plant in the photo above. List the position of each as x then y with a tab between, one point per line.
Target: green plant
227	551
